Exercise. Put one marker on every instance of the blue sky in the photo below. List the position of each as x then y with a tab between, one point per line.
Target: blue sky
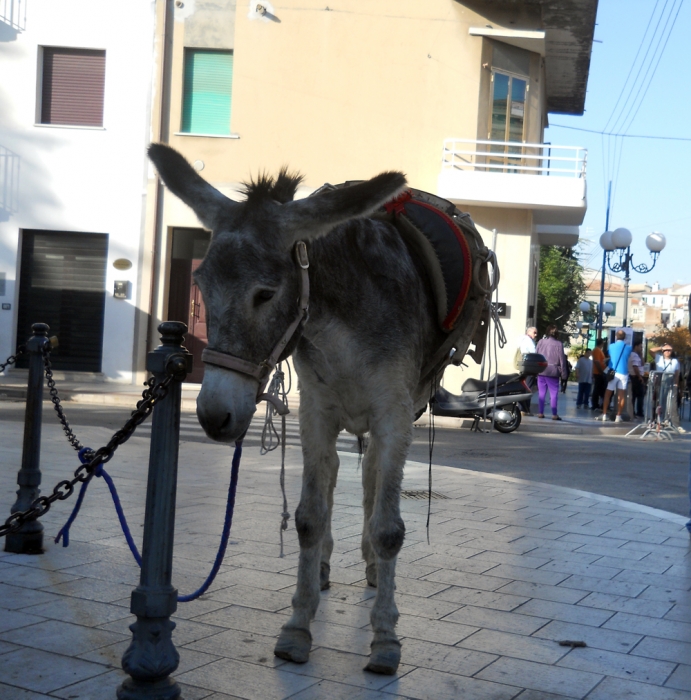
651	179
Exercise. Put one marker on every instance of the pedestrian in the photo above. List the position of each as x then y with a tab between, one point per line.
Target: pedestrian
584	377
636	378
565	380
599	381
618	361
526	346
665	360
553	350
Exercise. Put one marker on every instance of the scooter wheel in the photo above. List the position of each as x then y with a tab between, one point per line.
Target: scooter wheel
510	426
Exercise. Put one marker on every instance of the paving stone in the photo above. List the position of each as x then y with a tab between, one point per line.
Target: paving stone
611	663
91	589
551	679
519	573
661	580
529	694
248	619
637	606
514	645
487	582
440	657
543	591
427	684
12	619
16	598
334	691
247	680
680	679
343	614
12	693
445	632
497	620
251	597
654	627
600	585
663	649
6	647
473	566
598	637
615	688
238	644
481	599
62	637
30	577
81	612
567	613
49	671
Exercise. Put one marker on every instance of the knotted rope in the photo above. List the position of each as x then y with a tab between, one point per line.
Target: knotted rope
271	439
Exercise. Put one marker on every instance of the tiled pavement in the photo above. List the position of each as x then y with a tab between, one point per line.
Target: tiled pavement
512	568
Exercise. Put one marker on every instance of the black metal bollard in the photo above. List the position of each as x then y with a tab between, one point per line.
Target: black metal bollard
29	538
151	656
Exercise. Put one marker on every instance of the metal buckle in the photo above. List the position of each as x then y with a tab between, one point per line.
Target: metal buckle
301	255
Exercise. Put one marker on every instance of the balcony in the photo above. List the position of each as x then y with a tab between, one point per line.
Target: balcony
549	180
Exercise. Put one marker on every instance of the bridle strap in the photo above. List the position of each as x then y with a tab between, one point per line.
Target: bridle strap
261	372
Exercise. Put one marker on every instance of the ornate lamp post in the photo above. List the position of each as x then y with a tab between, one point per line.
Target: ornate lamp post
620	240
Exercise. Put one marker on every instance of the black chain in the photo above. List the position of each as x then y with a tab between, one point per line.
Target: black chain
13	358
64	489
55	398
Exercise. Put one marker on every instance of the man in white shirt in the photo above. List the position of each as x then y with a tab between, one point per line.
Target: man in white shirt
525	347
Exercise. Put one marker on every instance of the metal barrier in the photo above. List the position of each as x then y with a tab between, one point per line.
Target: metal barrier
151	656
661	414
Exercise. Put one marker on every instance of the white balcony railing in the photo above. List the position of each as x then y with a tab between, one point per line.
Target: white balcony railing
514	157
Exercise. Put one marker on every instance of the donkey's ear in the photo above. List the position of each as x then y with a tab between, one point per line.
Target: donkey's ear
184	182
315	216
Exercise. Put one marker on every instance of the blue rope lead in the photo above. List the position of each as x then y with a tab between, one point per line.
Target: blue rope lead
64	532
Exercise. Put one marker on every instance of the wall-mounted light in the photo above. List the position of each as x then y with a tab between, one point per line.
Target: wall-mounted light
262	10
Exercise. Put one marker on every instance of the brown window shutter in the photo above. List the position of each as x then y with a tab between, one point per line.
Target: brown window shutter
73	86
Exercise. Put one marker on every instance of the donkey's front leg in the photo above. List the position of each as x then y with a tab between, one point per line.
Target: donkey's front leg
312	523
390	438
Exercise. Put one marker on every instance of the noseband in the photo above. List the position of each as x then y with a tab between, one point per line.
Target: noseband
262	371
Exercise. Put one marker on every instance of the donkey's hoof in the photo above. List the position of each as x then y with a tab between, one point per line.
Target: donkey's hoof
385	657
371	574
324	571
294	645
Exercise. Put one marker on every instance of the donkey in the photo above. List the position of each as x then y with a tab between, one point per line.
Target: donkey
359	355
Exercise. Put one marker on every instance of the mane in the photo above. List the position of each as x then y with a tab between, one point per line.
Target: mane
282	189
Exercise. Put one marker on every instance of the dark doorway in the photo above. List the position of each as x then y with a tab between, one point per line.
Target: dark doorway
62	283
184	298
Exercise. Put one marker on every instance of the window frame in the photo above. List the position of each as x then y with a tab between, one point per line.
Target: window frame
40	72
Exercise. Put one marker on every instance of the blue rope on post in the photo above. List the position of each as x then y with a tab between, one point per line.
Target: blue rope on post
64	532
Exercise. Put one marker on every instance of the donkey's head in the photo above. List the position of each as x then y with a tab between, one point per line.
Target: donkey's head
250	279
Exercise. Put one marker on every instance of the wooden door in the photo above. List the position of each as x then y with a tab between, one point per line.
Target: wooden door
196	335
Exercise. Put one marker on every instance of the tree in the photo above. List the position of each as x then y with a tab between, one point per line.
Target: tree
679	338
560	288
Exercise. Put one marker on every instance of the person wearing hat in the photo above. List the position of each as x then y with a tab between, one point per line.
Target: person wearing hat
665	360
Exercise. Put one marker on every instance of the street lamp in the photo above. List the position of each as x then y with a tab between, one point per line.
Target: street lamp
620	240
587	308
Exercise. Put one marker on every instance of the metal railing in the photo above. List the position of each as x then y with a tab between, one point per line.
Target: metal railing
514	157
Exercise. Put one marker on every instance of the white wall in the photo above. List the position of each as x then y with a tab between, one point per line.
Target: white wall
76	178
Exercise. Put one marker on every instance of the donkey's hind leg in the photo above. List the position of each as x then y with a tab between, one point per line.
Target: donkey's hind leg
390	437
369	485
319	431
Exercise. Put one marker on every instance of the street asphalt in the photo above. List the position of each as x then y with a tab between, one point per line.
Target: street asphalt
650	473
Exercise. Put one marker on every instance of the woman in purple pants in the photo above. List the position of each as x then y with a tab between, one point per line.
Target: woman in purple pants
553	350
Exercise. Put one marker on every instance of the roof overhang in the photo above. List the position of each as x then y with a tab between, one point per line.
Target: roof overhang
522	38
568	26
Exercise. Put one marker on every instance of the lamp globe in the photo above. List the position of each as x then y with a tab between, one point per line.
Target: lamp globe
584	307
621	237
606	241
656	241
607	308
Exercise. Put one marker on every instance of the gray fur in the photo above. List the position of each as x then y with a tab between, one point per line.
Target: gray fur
372	327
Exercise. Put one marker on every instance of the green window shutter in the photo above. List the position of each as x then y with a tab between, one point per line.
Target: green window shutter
207	91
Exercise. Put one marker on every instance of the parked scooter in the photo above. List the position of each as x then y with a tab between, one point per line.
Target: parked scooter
478	399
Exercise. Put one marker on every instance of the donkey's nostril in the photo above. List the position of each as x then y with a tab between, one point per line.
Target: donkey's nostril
226	422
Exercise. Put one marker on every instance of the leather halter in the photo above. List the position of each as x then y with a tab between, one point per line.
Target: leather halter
262	371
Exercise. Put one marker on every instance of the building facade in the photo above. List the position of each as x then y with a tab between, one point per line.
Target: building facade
455	94
74	123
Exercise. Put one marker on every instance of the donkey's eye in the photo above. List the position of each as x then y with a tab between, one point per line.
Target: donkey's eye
263	295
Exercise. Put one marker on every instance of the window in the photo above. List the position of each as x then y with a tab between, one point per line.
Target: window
72	87
207	92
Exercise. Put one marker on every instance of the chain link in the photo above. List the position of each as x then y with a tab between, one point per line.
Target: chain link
12	358
64	489
55	398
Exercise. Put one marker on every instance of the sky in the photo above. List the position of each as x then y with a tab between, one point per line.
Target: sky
638	85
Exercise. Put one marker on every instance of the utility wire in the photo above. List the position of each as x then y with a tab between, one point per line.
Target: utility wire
624	136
